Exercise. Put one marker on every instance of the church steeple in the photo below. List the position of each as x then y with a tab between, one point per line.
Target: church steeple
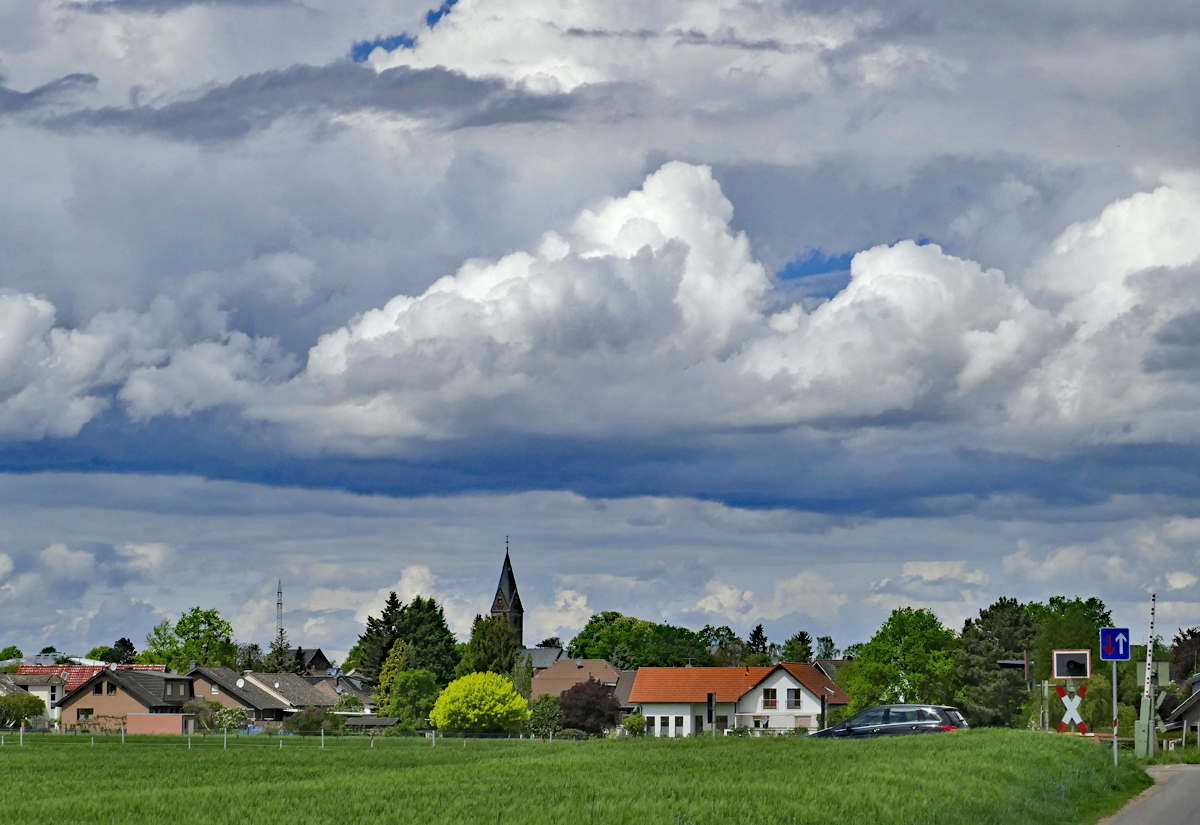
507	603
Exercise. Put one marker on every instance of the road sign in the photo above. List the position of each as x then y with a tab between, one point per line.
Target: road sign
1114	644
1072	705
1072	664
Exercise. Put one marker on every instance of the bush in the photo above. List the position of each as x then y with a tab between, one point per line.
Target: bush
545	717
414	693
313	720
205	711
349	704
479	702
589	706
225	718
635	724
16	708
573	734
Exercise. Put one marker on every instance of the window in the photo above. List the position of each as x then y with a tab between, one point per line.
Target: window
899	716
870	716
53	692
168	688
679	726
215	690
664	726
795	699
699	724
649	725
112	689
84	714
768	697
722	722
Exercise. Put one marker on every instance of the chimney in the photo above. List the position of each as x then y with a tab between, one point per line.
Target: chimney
192	666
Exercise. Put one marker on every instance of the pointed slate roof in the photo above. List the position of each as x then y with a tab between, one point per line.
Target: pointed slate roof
508	586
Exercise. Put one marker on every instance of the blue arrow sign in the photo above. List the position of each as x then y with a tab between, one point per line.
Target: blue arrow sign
1114	644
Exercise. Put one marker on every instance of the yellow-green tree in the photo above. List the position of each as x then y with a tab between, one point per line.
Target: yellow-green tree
393	664
479	702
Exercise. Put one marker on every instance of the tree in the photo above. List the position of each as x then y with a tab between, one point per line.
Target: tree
552	641
757	643
387	676
48	649
99	653
278	660
727	648
909	659
354	657
226	718
122	652
991	695
11	652
479	702
18	708
162	645
1185	653
604	631
635	724
545	717
1066	624
622	657
249	657
297	663
825	648
414	693
492	647
522	676
421	624
589	706
313	720
205	638
798	648
205	712
348	703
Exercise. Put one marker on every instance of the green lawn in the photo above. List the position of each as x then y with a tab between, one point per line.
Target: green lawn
986	776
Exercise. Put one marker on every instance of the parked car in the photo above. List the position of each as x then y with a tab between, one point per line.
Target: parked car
896	720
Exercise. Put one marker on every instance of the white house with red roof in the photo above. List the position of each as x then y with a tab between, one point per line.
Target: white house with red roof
789	695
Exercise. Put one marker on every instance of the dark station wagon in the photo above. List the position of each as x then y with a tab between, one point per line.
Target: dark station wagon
896	720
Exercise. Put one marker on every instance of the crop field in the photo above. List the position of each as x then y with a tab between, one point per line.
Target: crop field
986	776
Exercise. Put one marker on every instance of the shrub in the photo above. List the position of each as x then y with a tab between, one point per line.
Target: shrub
349	703
225	718
313	720
545	717
573	734
16	708
479	702
205	711
635	724
414	693
589	706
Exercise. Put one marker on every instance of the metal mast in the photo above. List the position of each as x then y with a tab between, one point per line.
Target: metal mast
279	611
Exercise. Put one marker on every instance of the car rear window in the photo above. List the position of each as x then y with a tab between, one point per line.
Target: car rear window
956	718
928	715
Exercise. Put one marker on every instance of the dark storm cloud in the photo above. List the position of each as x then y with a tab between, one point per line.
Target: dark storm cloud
12	101
253	102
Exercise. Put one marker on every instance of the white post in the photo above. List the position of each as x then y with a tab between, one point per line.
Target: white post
22	734
1117	715
434	738
122	734
226	739
281	744
322	737
189	743
1147	706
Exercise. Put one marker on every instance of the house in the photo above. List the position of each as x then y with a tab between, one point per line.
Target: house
543	657
76	675
343	685
567	673
267	697
114	698
623	689
315	662
830	666
674	700
370	724
49	687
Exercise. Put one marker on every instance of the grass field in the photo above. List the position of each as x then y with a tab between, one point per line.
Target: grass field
986	776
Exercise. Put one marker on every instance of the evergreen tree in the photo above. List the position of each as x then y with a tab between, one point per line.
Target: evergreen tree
622	657
298	662
249	657
422	625
278	660
393	665
492	648
757	643
552	641
522	676
798	648
122	652
1185	653
991	695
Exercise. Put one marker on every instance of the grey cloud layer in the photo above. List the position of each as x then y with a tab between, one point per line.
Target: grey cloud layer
12	101
256	101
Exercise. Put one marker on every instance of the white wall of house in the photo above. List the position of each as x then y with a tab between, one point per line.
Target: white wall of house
752	707
688	711
44	693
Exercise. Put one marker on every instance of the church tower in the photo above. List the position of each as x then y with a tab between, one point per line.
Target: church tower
507	603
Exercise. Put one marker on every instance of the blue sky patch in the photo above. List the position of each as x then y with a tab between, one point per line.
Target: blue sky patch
437	14
361	50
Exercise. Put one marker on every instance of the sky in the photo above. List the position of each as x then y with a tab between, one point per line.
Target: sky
789	312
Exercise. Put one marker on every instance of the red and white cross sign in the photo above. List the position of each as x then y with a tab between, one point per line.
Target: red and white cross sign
1072	704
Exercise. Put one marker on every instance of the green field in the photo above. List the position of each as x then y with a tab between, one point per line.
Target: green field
986	776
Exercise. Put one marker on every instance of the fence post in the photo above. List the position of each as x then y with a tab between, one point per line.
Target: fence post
122	734
322	737
226	739
189	743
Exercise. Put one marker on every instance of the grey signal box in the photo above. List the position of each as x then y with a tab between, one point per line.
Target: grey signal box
1072	664
1161	673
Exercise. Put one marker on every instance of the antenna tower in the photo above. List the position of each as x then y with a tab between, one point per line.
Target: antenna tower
279	611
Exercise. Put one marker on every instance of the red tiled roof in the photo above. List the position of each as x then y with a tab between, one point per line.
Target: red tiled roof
693	684
816	681
76	675
566	674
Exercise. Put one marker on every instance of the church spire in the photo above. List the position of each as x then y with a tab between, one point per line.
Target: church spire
507	603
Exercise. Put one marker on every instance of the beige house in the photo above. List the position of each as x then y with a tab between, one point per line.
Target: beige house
108	699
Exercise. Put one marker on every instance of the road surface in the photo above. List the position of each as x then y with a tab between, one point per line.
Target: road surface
1175	801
